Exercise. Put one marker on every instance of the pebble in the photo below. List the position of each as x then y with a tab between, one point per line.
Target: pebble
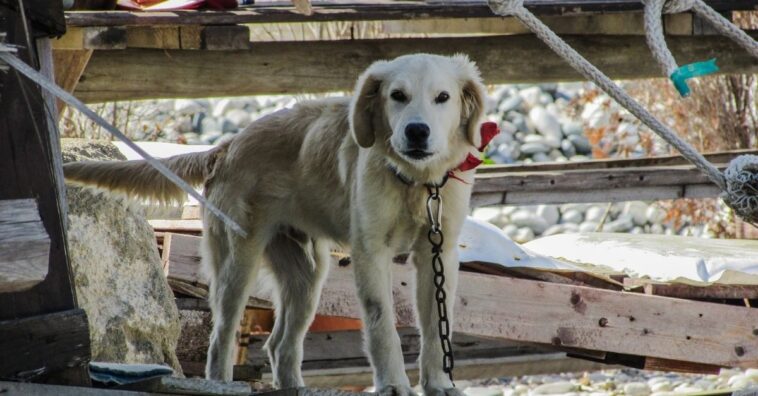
547	125
655	214
594	213
523	235
588	226
568	148
637	389
188	106
638	211
549	213
572	216
238	117
482	391
581	144
525	218
534	148
560	387
664	386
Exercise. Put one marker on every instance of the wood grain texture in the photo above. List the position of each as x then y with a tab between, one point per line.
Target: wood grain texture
39	345
569	316
366	11
28	170
24	246
268	68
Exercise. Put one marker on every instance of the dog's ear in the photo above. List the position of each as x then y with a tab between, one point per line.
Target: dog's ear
473	96
366	105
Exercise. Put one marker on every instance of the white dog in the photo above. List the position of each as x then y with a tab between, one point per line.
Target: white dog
346	170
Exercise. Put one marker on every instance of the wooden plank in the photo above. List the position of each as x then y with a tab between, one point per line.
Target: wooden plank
189	386
721	157
572	316
69	66
341	349
44	344
464	369
364	11
24	246
177	226
337	358
607	320
679	290
164	37
28	170
595	195
25	389
651	176
98	37
267	68
30	167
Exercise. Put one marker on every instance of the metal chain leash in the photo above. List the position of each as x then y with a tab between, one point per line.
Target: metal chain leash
436	238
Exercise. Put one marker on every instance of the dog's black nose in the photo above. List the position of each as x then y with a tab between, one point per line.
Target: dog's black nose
417	133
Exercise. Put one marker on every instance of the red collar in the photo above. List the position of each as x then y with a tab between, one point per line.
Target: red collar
488	131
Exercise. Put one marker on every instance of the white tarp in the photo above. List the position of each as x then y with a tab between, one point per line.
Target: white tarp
661	257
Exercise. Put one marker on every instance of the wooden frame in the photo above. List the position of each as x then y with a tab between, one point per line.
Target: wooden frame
379	10
658	331
30	165
268	68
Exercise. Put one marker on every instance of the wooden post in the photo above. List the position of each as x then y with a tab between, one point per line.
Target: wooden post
30	167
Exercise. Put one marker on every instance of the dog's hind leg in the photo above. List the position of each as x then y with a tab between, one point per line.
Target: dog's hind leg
300	265
230	281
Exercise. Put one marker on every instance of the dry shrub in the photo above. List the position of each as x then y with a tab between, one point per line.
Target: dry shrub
719	115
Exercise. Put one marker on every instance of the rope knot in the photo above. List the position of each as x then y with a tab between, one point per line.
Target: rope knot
505	7
741	192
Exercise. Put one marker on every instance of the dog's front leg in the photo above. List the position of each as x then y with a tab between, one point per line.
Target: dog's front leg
373	277
433	379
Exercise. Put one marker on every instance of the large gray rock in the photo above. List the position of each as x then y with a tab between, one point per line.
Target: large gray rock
117	272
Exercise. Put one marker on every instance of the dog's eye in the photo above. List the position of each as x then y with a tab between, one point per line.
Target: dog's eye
398	96
442	97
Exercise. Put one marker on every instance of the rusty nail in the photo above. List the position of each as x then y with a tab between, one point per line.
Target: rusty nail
575	298
603	322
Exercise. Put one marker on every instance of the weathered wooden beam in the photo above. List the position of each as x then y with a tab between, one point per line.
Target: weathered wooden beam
568	316
30	166
24	389
680	290
69	66
376	11
40	345
268	68
596	181
24	245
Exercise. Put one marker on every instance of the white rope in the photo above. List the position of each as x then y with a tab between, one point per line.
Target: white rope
654	10
655	38
51	87
726	27
5	48
589	71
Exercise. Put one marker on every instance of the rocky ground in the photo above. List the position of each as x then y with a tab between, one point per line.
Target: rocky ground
615	382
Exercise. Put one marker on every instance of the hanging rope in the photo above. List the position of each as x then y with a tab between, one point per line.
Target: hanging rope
731	195
54	89
654	10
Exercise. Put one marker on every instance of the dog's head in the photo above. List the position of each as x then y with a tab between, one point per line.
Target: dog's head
423	110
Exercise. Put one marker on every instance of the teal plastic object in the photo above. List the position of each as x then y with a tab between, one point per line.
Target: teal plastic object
680	76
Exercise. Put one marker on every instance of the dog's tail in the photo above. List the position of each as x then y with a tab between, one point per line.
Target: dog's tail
138	178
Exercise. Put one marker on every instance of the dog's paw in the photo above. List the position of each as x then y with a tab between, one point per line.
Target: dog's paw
430	391
397	390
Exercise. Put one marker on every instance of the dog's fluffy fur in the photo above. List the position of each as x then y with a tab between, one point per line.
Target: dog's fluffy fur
302	178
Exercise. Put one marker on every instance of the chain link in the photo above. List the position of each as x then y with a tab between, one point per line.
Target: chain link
436	238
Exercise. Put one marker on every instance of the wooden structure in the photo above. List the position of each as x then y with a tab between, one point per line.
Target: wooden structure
44	337
111	55
589	316
108	56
